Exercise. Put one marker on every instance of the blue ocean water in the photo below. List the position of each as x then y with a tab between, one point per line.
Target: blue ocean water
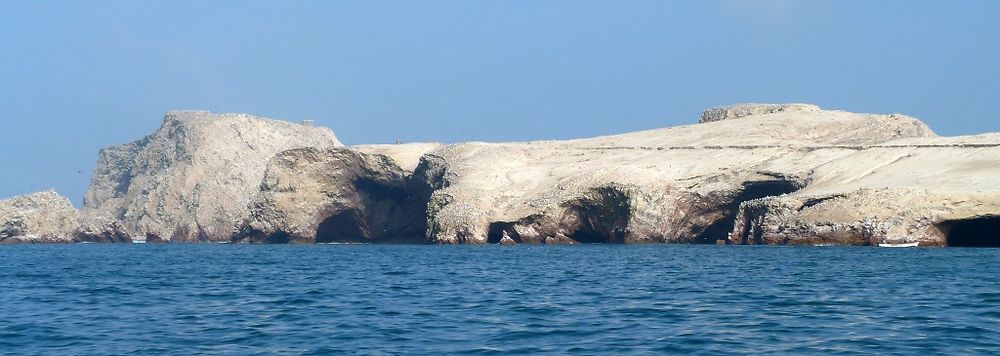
594	299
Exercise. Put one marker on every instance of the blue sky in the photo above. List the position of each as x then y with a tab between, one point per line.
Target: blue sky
81	75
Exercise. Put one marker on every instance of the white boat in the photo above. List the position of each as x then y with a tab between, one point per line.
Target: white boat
138	241
910	244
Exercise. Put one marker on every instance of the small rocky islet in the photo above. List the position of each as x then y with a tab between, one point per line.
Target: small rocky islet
745	174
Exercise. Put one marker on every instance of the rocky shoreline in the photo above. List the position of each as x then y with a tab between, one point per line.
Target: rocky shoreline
745	174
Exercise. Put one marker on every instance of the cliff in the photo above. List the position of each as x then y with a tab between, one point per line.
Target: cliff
193	179
746	174
936	191
683	184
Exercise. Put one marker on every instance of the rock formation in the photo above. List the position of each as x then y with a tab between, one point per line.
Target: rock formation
336	195
936	191
47	217
192	180
42	217
747	174
682	184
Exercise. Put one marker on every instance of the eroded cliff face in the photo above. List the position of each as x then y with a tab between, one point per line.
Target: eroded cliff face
335	196
936	191
683	184
193	179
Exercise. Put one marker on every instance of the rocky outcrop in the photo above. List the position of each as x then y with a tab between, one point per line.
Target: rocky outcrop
935	191
682	184
335	196
193	179
743	110
43	217
47	217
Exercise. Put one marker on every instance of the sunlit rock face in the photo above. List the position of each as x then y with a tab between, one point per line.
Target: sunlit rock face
683	184
193	179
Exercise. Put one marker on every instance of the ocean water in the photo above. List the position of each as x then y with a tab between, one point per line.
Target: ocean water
595	299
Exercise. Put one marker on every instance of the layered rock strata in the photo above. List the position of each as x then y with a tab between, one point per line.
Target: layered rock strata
193	179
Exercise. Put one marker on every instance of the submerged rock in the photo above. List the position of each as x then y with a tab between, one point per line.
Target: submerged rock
193	179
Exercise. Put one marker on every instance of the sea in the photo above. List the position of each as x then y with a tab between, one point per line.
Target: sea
186	299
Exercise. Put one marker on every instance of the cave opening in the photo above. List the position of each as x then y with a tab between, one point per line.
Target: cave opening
722	226
343	227
977	232
496	230
603	221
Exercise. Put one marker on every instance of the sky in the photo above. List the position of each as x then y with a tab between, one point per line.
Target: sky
76	76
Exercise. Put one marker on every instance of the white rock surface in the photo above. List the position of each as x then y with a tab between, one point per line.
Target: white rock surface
680	184
908	190
193	179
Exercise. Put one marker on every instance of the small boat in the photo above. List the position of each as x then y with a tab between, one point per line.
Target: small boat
138	241
910	244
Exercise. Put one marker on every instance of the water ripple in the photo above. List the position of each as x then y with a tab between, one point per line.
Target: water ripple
486	300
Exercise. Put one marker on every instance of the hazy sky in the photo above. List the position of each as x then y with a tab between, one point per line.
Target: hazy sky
76	76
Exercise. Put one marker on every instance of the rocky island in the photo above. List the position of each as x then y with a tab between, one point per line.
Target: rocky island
745	174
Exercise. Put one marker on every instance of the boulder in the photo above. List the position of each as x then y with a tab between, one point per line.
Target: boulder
193	179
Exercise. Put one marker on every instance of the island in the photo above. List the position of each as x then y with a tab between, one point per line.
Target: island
790	174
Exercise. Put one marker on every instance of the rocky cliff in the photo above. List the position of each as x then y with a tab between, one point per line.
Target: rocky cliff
936	191
747	174
682	184
193	179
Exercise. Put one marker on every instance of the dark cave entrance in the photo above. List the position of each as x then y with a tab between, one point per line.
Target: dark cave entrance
720	229
604	220
496	230
341	227
977	232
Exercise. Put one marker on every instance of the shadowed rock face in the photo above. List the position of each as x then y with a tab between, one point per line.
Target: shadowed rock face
192	179
334	195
